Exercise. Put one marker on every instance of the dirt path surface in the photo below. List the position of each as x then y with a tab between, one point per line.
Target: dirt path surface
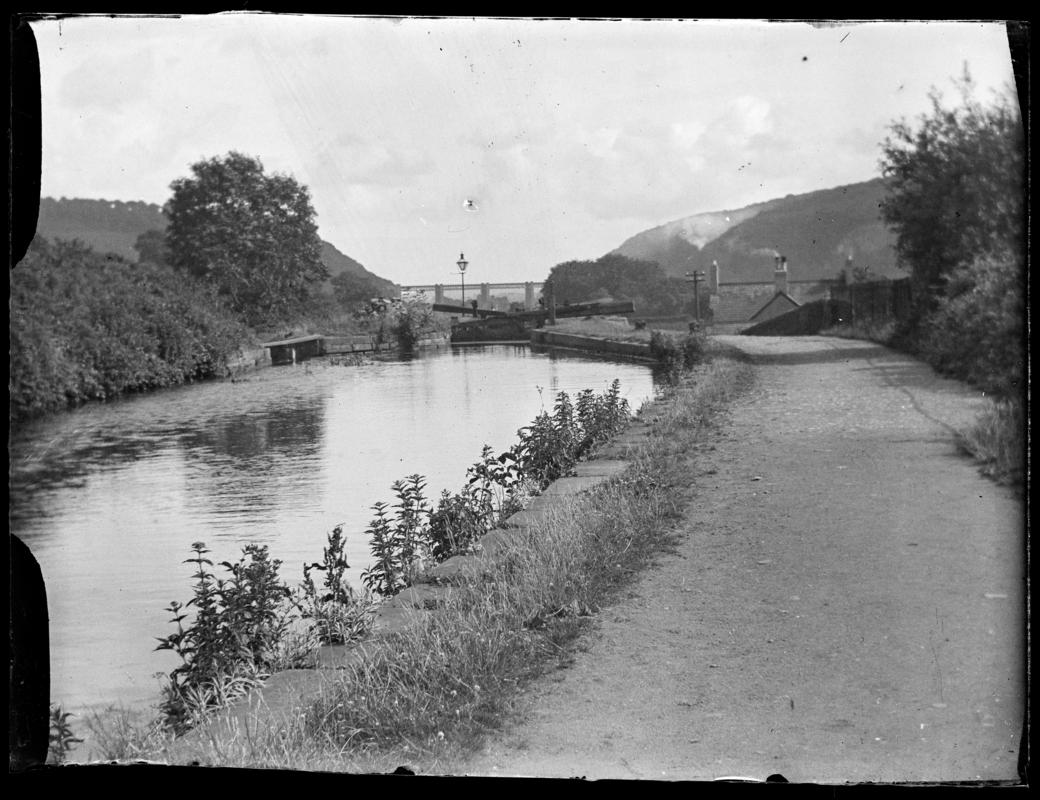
846	604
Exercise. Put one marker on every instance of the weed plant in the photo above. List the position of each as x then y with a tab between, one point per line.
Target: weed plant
235	638
61	737
336	613
411	534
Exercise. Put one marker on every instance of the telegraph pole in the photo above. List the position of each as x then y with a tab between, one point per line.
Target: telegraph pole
695	278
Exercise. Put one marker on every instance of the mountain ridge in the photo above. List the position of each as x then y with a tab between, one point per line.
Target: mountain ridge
817	231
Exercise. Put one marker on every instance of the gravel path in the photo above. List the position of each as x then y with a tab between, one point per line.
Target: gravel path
846	604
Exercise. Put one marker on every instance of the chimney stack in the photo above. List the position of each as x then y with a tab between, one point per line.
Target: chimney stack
780	274
713	278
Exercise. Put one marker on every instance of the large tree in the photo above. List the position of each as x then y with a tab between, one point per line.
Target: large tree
956	186
251	234
652	292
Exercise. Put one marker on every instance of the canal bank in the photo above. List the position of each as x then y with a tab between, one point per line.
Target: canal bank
304	348
472	632
279	458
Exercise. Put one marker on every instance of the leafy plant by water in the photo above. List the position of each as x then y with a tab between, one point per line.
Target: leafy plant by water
413	534
242	624
235	637
335	611
61	737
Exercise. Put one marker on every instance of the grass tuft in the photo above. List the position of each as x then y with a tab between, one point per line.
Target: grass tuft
997	441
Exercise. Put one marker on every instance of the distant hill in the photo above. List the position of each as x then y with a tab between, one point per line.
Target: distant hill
817	232
112	226
108	226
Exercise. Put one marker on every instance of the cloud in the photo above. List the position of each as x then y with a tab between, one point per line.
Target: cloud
366	160
125	78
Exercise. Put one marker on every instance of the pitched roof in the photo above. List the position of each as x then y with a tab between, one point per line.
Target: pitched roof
737	305
781	298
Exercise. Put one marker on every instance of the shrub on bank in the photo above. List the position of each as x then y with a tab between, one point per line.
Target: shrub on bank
403	322
977	332
89	327
678	353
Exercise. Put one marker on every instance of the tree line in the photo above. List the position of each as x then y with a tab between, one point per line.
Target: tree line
241	249
653	293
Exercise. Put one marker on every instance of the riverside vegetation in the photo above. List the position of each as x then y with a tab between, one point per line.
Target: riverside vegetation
239	628
239	263
427	694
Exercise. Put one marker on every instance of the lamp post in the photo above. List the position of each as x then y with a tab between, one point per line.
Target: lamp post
462	263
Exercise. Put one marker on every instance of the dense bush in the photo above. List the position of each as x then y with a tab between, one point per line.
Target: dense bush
977	331
89	327
404	322
677	353
652	292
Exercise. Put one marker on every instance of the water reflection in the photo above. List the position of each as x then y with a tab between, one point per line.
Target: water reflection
256	459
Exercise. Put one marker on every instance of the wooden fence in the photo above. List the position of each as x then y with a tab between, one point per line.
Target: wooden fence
876	300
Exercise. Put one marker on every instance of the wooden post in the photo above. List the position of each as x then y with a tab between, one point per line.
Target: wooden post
695	278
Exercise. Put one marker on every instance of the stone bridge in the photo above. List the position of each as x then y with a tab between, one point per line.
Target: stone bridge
483	293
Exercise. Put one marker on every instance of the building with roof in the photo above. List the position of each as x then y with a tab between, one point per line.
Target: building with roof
757	301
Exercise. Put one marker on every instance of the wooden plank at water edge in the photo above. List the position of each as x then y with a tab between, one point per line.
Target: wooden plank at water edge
300	348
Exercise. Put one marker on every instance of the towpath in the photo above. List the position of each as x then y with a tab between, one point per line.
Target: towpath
846	604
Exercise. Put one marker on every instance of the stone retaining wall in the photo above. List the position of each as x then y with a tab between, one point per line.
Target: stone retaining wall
573	341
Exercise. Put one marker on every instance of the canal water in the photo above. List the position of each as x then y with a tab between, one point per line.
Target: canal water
110	497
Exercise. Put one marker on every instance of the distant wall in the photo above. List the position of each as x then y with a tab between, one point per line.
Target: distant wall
876	300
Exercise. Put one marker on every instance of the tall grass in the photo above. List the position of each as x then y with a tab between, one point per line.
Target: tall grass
880	331
427	695
997	441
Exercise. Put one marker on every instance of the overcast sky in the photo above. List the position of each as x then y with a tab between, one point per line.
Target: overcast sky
522	143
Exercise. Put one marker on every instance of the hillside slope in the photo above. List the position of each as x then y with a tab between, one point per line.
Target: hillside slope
817	232
107	226
112	226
